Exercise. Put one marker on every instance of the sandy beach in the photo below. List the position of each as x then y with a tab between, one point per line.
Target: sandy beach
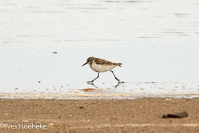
103	115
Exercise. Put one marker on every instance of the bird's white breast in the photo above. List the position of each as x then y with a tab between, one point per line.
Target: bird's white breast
101	68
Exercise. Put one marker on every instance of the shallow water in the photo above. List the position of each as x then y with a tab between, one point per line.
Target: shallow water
43	45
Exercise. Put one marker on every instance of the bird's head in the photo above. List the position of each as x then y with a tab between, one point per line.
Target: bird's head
89	61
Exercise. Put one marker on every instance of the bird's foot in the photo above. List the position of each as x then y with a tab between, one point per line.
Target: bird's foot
90	82
121	82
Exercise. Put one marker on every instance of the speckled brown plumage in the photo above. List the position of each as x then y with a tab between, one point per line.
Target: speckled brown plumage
90	60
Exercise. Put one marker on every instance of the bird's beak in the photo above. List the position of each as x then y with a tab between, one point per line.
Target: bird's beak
84	64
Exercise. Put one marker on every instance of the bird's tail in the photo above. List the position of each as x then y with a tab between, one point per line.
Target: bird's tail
119	64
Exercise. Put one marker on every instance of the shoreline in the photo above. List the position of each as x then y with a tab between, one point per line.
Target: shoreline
92	96
99	115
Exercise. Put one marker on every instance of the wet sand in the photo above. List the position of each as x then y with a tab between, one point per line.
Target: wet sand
105	115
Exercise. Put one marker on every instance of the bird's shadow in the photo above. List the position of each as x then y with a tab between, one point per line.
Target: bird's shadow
118	84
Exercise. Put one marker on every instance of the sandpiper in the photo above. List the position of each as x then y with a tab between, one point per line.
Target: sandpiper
101	65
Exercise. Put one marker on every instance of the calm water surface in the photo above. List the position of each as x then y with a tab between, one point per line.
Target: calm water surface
43	45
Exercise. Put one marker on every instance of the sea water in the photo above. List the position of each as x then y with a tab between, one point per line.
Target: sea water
43	45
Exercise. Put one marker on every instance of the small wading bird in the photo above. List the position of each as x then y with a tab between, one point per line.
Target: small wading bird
101	65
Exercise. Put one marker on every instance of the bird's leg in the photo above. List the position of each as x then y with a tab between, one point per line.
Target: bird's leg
91	82
95	78
115	76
